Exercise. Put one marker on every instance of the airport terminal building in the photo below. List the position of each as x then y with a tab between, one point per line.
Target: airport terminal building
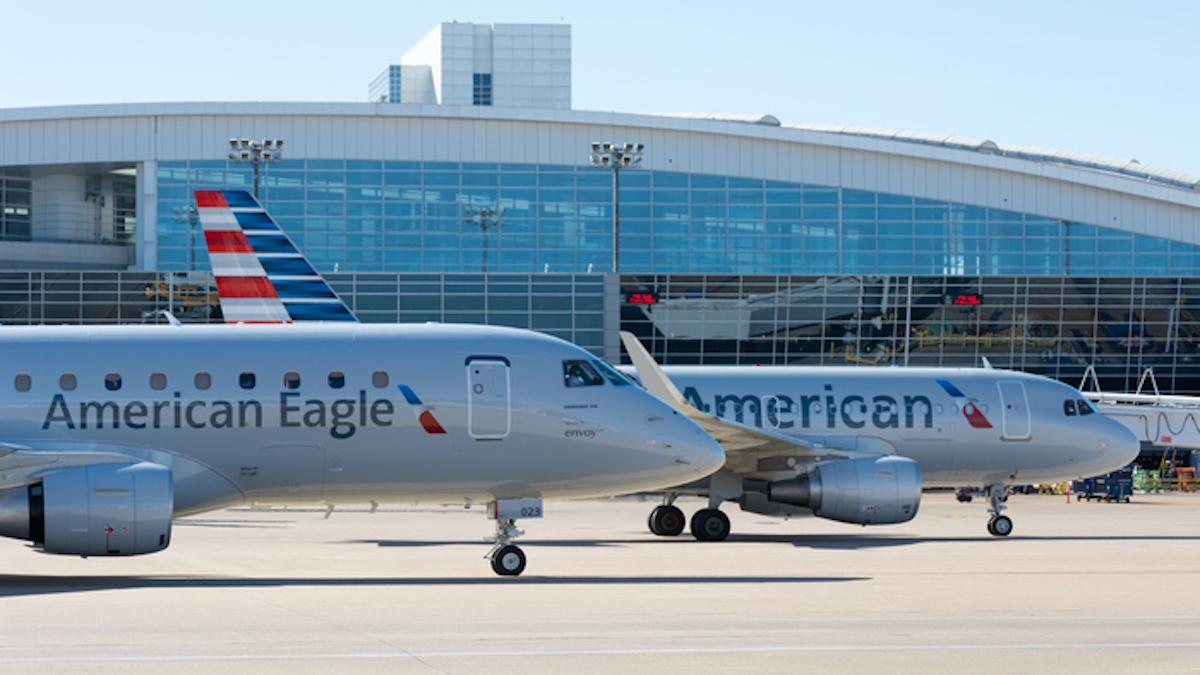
465	191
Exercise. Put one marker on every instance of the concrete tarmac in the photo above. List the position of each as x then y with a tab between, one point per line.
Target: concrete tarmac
1077	587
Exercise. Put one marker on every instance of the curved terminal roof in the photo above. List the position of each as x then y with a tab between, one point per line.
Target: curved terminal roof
748	118
1126	167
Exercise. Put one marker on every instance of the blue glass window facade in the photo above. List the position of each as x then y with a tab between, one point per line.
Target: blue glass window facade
361	215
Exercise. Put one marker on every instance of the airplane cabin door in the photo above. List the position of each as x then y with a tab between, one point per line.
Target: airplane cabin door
489	398
1015	411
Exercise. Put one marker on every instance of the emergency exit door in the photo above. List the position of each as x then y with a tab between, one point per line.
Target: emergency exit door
489	398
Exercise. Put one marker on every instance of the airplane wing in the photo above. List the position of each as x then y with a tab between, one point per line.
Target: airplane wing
261	276
18	462
750	452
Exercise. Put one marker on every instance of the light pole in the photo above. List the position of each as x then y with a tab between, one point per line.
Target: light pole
255	153
617	156
485	218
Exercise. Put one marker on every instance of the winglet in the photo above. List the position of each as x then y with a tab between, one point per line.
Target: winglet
652	377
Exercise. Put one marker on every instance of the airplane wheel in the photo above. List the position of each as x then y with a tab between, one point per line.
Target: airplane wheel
667	521
710	525
508	561
1000	526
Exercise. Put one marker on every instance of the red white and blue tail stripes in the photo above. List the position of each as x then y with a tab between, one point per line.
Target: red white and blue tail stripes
261	276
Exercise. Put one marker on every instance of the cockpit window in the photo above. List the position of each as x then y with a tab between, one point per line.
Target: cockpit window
580	374
1081	406
615	376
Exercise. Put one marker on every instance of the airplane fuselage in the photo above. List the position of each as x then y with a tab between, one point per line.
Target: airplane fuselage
965	427
339	413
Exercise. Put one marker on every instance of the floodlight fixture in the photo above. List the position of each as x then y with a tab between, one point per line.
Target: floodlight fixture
255	153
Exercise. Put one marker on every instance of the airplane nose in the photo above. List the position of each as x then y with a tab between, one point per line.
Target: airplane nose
1123	445
692	447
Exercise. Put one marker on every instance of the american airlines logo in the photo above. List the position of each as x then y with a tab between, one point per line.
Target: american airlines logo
970	406
827	410
820	411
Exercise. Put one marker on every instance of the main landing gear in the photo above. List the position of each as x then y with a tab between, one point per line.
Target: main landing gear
507	559
998	525
707	524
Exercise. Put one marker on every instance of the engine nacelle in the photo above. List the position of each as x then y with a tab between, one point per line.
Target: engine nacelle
874	491
102	509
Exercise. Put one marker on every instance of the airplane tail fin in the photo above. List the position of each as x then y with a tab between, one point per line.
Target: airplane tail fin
261	276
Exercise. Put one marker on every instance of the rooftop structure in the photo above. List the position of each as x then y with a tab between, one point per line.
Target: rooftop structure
503	65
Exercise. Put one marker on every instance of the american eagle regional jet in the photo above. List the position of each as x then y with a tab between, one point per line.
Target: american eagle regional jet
108	433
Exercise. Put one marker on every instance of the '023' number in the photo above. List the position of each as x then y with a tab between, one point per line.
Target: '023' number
531	512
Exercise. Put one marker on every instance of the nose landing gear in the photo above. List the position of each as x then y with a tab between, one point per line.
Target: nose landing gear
998	525
507	559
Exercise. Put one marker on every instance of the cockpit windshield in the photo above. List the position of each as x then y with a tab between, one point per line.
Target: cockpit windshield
581	374
1081	406
615	376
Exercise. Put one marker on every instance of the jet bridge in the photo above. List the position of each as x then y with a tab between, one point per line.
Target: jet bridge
1164	421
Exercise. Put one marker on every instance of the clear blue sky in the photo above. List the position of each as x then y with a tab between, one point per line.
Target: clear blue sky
1100	77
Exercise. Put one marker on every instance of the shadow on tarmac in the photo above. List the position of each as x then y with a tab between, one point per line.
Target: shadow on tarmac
18	585
847	542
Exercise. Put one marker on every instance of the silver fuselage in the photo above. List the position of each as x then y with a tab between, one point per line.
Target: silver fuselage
964	426
340	413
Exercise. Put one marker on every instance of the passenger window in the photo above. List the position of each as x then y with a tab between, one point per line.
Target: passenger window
291	380
379	379
246	380
1069	408
203	380
1085	407
581	374
615	376
158	381
23	382
66	382
112	382
337	379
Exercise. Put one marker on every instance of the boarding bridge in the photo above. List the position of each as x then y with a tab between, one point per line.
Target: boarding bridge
1165	421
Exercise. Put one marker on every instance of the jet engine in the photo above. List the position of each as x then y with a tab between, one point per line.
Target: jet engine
101	509
873	491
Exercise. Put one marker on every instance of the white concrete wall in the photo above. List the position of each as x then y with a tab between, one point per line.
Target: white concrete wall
427	52
416	85
60	210
532	66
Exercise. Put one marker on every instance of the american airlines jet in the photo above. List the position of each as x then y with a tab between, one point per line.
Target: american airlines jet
858	444
108	433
